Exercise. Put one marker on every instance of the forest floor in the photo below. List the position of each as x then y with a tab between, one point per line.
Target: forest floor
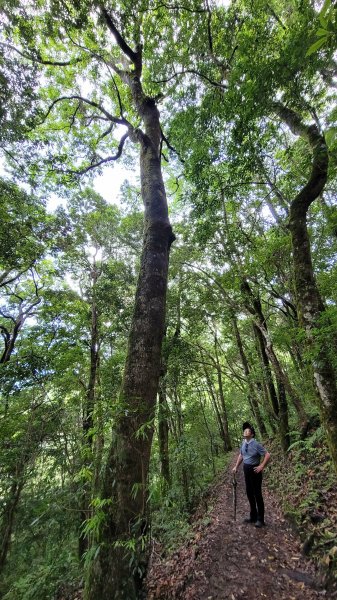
226	559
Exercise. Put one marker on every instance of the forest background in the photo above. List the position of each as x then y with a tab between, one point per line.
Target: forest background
123	387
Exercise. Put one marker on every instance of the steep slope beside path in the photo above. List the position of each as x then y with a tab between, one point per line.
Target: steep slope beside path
232	560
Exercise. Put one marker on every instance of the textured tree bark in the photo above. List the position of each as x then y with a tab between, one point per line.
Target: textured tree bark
309	302
116	572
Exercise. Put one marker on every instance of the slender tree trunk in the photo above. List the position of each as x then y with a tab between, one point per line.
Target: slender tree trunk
88	421
267	373
246	369
210	435
216	407
184	470
8	515
309	301
227	439
163	411
283	377
283	417
163	434
253	305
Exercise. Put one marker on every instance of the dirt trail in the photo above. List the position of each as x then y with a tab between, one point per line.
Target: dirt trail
232	560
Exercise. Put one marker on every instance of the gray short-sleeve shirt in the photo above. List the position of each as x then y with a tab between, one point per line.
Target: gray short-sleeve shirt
251	452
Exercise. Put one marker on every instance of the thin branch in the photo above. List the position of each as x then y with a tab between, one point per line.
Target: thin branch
107	63
175	7
74	116
103	160
192	72
7	316
38	59
232	55
90	103
2	277
171	147
106	132
276	17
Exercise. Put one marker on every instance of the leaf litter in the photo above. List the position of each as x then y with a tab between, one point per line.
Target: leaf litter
230	560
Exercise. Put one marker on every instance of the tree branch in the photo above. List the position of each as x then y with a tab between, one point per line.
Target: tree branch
135	57
103	160
171	147
38	59
320	160
192	72
118	121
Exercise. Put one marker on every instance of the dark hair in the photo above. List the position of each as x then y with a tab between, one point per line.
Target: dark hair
247	425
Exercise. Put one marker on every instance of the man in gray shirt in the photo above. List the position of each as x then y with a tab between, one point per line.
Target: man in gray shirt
250	454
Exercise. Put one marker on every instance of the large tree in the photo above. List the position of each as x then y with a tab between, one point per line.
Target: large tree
109	38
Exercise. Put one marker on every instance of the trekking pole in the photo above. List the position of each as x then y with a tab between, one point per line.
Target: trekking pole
234	484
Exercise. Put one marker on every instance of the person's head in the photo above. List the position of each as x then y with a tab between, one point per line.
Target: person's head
248	433
246	425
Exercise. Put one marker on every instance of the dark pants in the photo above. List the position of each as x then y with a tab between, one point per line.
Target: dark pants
254	493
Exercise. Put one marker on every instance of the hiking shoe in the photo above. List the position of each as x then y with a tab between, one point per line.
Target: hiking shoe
259	524
248	520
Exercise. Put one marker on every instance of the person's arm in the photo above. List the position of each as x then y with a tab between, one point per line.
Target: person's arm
238	463
263	464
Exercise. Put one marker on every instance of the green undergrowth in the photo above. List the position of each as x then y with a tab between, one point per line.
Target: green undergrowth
172	518
306	484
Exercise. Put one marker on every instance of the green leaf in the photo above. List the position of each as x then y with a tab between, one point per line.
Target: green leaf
323	21
331	135
316	46
320	32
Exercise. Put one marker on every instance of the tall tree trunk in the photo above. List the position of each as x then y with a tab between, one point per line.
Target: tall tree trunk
227	440
309	301
210	435
163	411
7	521
88	419
283	417
185	472
116	572
216	407
163	434
252	398
253	305
266	370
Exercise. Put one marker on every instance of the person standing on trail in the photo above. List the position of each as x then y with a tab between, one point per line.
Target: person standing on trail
250	454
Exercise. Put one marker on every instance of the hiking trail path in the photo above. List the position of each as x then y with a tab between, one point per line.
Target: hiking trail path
231	560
